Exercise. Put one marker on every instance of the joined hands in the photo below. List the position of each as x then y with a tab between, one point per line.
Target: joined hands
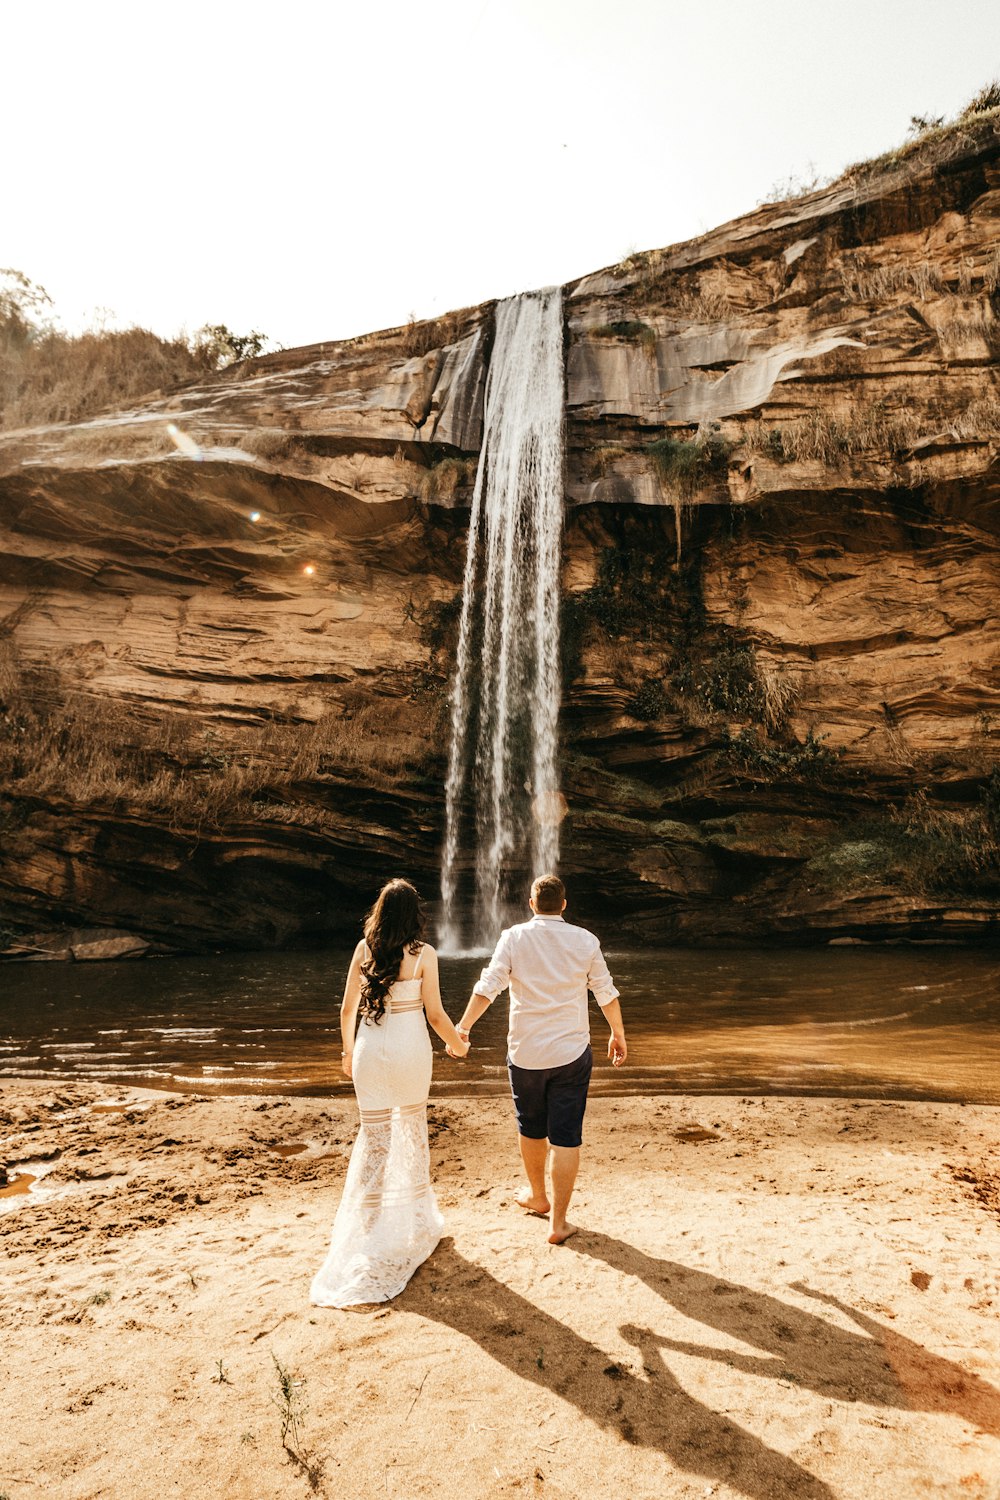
464	1038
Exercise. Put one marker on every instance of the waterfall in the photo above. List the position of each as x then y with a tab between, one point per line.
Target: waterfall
505	692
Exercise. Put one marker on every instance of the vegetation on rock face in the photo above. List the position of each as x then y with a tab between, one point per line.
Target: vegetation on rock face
434	333
47	375
224	347
752	752
927	133
630	329
685	465
708	672
919	846
442	481
686	462
829	440
92	752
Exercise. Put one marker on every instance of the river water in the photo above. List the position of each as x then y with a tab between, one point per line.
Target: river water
877	1023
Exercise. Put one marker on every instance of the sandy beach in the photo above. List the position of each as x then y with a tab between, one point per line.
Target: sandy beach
765	1298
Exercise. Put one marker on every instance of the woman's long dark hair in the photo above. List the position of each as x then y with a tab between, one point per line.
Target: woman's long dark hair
394	924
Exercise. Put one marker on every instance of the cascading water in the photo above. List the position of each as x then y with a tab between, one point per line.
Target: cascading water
505	695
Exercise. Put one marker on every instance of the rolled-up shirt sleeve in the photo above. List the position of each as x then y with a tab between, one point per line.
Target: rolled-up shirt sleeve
496	976
599	980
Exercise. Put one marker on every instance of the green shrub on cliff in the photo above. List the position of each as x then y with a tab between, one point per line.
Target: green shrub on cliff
952	853
724	681
687	462
640	591
808	757
649	701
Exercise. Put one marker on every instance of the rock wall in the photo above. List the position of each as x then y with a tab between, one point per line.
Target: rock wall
227	615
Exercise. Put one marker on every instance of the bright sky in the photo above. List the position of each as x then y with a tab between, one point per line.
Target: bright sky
325	169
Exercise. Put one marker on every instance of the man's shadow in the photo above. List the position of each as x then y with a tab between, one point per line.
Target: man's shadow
879	1365
653	1411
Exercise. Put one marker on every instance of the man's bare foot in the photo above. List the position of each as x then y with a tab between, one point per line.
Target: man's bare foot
533	1205
560	1236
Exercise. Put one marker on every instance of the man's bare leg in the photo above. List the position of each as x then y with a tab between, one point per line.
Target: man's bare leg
565	1163
533	1154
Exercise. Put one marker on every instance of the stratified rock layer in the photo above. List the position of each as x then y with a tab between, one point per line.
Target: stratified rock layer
228	614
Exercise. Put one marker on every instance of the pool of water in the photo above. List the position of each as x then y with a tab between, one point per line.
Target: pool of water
878	1023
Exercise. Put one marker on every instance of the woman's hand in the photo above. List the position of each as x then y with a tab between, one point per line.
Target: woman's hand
346	1064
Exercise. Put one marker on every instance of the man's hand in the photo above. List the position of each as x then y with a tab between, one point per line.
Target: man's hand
617	1048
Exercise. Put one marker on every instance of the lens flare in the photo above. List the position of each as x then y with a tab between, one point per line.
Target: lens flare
182	441
255	515
549	809
309	569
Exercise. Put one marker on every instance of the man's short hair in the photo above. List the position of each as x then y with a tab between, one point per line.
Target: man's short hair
548	893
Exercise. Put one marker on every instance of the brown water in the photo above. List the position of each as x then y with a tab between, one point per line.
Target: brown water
879	1023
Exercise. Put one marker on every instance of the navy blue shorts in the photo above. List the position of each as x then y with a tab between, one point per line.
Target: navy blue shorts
549	1102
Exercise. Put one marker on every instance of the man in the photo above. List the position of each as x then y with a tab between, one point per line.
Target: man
549	966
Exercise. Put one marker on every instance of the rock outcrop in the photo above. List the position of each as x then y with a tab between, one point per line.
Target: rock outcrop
227	615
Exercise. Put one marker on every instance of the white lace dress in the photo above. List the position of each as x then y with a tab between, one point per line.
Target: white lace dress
388	1221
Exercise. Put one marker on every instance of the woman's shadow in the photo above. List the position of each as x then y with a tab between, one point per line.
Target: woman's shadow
653	1411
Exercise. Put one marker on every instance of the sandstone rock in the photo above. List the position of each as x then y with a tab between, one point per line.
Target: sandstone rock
226	615
109	947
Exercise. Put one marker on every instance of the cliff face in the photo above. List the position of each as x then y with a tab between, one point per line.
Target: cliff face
228	614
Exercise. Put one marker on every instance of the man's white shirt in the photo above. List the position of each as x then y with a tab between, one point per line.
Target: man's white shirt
549	965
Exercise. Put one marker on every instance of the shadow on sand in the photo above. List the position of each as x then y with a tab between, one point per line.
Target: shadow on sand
654	1411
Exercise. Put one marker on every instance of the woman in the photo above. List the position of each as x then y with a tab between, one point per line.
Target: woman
388	1221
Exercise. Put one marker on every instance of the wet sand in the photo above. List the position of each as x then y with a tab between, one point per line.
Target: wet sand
766	1298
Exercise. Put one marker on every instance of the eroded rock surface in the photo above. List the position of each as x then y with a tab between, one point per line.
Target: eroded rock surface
227	615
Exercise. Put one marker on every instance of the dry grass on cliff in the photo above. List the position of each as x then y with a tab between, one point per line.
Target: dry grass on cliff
58	378
694	297
829	440
92	751
866	283
268	443
630	330
876	430
980	419
386	738
934	141
442	481
968	331
435	333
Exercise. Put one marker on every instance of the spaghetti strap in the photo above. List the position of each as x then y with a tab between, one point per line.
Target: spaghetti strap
420	959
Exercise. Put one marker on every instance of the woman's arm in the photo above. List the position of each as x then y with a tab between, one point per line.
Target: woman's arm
349	1010
437	1017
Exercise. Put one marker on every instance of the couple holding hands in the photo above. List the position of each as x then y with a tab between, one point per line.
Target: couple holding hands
388	1220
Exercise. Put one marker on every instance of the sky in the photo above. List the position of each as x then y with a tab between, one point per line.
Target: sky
320	170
